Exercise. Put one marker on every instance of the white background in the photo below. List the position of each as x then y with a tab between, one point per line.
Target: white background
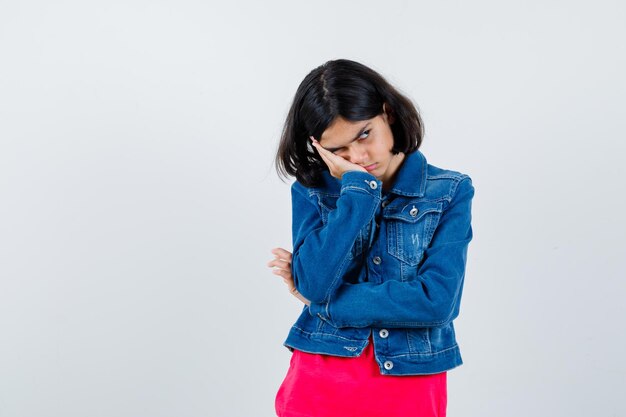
138	202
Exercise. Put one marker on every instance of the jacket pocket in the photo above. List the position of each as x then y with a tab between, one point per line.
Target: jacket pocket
442	337
418	340
410	227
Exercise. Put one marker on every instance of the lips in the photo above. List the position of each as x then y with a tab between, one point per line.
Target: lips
370	167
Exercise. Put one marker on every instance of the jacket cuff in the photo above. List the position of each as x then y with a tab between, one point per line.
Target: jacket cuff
361	181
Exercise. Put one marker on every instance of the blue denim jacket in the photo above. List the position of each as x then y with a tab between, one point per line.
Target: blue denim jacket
387	264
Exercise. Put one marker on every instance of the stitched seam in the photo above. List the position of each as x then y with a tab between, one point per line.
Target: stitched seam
424	354
455	346
355	188
446	176
326	334
316	193
401	323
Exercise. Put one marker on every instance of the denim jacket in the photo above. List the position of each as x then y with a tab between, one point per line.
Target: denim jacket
386	264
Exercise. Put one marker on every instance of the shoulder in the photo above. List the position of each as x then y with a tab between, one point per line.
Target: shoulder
445	183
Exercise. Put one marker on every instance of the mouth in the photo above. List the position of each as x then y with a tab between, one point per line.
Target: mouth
370	167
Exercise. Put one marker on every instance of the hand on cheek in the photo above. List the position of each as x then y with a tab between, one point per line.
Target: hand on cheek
337	165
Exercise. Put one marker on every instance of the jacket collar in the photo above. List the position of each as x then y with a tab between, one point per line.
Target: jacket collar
411	176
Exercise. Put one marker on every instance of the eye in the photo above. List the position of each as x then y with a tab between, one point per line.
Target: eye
363	136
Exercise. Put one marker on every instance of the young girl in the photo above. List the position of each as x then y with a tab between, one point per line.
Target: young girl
380	242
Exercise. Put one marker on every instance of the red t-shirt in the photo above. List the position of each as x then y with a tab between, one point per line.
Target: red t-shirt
319	385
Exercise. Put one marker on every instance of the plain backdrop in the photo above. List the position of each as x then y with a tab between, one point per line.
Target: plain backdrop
139	204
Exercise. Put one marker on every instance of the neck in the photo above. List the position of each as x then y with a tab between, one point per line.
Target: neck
394	167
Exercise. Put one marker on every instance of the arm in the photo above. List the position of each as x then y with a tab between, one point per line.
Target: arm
432	299
321	253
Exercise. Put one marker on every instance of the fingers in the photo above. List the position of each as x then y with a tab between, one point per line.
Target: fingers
283	273
282	254
323	152
279	263
282	268
320	148
336	164
326	154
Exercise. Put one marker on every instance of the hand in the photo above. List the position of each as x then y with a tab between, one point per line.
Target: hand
336	164
282	264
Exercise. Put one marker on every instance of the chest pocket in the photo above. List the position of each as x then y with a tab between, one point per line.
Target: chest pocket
327	204
410	227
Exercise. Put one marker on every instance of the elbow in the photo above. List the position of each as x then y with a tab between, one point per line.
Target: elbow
444	302
443	313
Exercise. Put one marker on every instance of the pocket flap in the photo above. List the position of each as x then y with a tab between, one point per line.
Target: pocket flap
411	211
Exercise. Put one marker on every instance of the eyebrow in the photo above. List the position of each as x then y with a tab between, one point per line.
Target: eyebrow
355	138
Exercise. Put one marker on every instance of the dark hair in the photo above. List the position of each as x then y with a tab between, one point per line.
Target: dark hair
353	91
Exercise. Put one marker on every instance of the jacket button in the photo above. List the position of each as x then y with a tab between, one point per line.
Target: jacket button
377	260
373	185
388	365
413	211
385	203
383	333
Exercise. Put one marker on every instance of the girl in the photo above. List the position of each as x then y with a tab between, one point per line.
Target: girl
380	242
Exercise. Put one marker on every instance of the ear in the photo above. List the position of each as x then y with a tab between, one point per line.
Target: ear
388	111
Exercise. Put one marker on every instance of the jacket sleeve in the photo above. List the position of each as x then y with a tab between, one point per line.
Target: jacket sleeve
322	252
432	299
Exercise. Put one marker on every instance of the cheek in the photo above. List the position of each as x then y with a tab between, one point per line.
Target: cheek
381	149
388	146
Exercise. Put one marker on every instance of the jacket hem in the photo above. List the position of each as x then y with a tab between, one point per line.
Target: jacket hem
403	364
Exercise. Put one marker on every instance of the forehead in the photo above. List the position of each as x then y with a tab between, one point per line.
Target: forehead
342	130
